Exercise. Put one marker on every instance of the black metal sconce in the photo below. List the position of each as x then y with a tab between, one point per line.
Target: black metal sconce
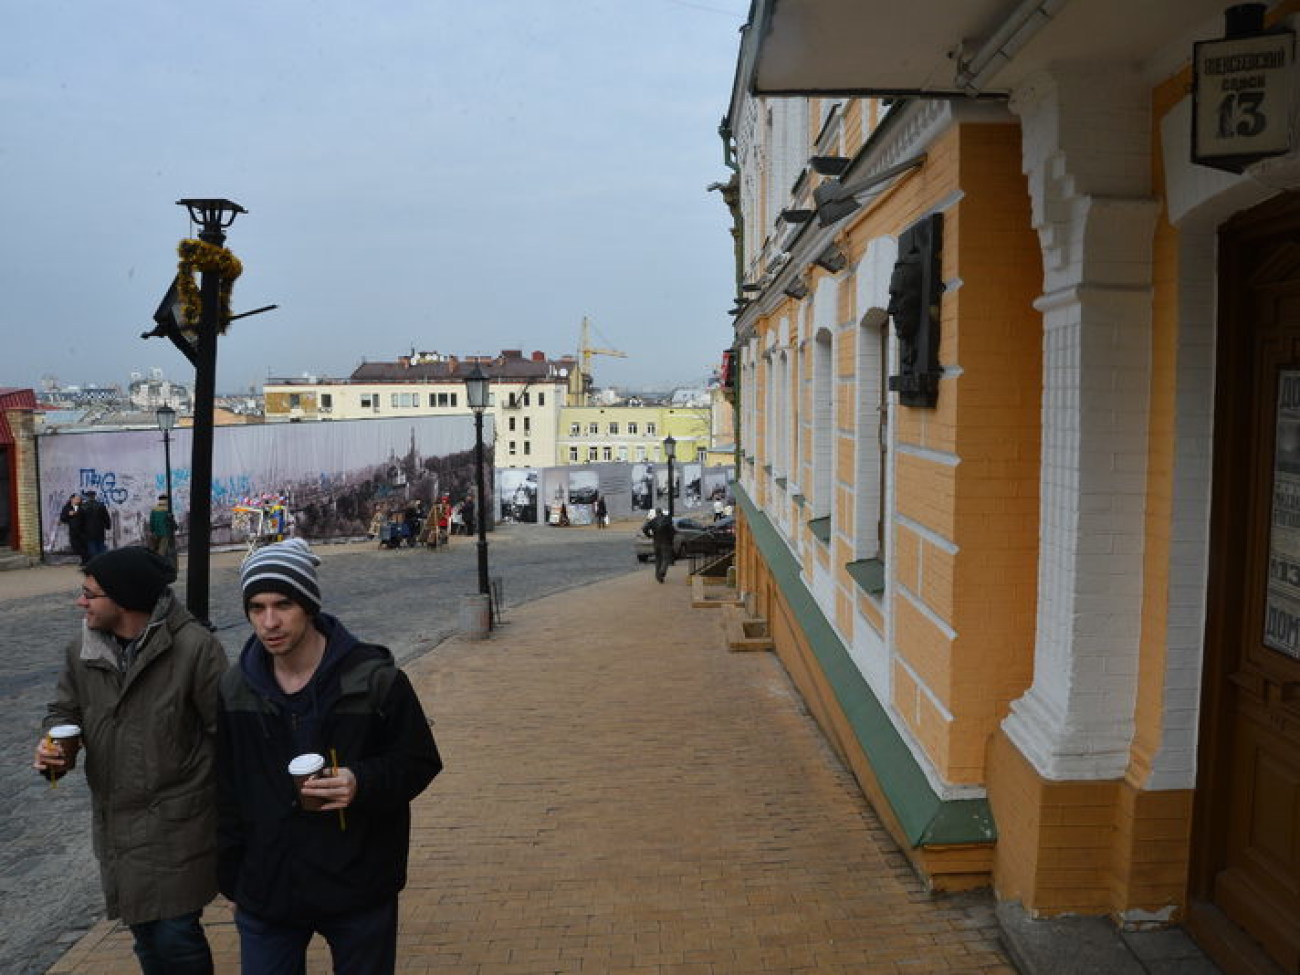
796	215
836	200
796	289
915	289
832	259
829	165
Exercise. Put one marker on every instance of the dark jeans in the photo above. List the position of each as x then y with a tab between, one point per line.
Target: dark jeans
663	559
173	946
361	943
94	548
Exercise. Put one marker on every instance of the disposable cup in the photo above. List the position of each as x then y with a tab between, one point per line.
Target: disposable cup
303	769
67	738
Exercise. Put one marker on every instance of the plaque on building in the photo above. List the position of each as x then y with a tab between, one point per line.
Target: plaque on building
1242	96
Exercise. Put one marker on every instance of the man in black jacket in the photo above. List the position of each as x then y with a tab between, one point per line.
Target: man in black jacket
660	528
304	684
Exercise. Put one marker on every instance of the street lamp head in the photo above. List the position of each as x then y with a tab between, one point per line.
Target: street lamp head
166	418
670	447
476	389
212	214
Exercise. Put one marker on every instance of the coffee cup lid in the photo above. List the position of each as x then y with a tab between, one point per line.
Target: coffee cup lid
64	731
307	764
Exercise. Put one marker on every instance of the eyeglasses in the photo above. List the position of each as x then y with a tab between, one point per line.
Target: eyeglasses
87	595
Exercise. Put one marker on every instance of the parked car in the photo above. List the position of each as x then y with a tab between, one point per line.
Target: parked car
694	537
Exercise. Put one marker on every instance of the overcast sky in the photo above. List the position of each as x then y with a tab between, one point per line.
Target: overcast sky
454	177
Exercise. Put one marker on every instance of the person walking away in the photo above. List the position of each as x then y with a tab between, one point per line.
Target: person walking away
141	682
95	523
162	530
304	684
660	528
70	515
602	513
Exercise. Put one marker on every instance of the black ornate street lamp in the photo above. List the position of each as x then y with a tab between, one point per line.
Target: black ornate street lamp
476	391
670	451
167	423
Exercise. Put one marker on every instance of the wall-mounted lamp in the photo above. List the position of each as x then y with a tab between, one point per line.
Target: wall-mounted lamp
832	259
829	165
796	289
752	286
836	200
795	215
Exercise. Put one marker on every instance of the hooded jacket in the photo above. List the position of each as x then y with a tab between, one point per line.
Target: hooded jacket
286	864
149	755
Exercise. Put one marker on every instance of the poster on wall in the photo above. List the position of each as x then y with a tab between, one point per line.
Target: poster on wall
518	495
643	487
1282	602
331	479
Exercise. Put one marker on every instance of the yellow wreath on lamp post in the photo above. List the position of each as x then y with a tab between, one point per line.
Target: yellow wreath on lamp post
199	255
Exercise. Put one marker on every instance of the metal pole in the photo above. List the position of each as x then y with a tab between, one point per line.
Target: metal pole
205	387
483	585
167	459
670	486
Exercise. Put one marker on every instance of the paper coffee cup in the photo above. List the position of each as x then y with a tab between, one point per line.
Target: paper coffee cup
68	739
304	768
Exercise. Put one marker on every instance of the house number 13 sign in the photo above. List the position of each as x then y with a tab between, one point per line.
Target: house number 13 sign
1242	99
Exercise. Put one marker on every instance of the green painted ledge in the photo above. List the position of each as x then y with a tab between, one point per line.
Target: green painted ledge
927	819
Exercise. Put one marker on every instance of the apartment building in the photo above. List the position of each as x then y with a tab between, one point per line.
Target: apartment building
526	395
597	434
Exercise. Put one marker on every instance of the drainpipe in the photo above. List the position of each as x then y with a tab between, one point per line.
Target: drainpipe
1005	43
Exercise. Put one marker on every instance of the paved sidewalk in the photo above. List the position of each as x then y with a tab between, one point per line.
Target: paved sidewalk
622	794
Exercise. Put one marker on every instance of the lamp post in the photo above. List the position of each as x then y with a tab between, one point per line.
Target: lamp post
670	451
476	391
213	216
166	423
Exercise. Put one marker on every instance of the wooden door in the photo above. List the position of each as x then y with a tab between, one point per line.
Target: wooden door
1246	873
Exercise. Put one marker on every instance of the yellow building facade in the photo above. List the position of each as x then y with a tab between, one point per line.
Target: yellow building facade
1017	437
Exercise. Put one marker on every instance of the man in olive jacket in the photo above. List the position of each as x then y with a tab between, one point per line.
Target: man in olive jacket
142	683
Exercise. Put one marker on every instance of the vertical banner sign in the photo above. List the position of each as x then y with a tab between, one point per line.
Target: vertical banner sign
1282	605
1242	100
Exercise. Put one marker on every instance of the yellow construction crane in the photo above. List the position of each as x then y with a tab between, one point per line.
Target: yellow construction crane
580	379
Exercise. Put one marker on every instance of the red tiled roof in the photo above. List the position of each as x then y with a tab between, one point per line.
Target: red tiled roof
12	398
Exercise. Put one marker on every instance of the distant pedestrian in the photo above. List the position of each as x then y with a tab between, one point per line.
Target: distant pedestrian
305	685
141	682
70	516
162	529
660	528
468	513
95	523
602	513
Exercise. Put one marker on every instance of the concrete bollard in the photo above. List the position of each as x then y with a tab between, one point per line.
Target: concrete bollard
475	616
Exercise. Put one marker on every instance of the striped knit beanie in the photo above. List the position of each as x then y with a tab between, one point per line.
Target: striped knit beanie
287	568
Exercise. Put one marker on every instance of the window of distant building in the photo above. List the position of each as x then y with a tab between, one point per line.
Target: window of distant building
528	447
591	452
613	428
622	453
593	429
513	451
370	401
295	401
512	424
526	399
650	429
573	455
326	402
632	427
541	399
528	424
606	453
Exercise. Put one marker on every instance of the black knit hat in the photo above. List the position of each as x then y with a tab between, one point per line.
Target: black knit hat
287	568
133	577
